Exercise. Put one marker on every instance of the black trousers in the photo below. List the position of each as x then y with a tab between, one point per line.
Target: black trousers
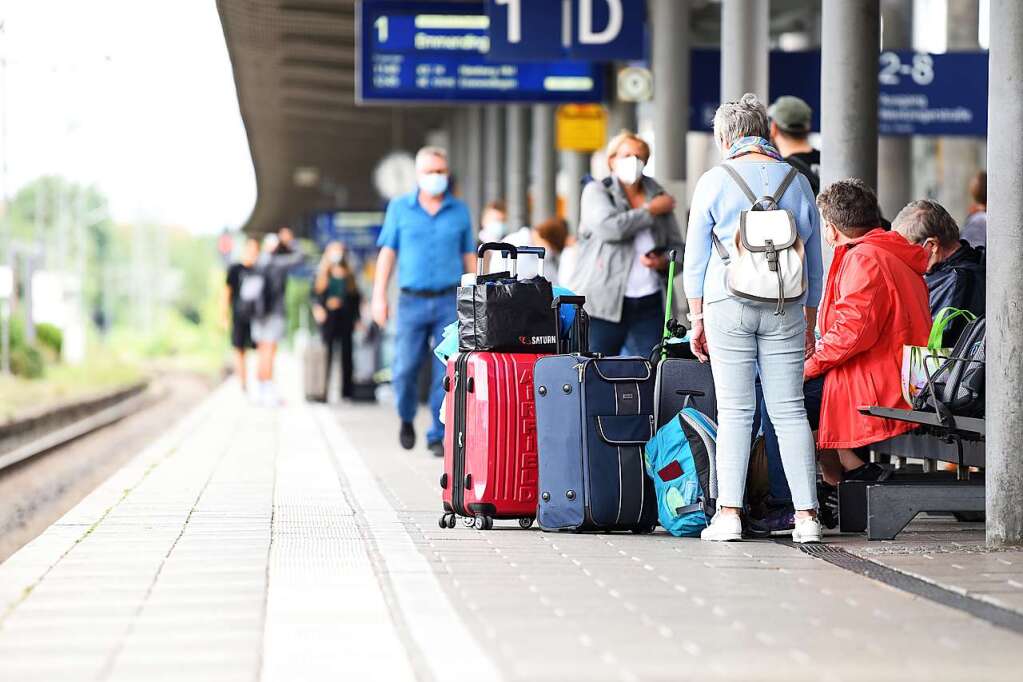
336	331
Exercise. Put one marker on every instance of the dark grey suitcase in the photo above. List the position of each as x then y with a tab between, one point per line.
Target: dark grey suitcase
593	418
677	378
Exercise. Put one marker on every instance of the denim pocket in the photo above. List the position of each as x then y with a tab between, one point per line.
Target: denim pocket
726	315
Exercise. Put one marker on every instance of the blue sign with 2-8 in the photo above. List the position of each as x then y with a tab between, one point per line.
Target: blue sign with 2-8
918	93
417	51
590	30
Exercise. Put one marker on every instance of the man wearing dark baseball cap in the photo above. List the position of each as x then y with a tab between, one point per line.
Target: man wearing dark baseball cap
791	123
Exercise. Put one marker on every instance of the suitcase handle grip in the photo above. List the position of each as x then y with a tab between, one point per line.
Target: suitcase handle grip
568	300
689	395
507	250
538	251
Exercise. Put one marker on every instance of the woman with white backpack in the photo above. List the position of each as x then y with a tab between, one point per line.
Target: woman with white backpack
753	277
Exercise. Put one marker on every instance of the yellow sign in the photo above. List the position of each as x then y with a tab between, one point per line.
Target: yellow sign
581	127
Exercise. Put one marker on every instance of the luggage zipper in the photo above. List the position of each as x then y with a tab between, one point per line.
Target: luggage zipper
581	368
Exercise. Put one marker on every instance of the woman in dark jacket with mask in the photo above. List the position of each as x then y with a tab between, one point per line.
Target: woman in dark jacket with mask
336	301
627	228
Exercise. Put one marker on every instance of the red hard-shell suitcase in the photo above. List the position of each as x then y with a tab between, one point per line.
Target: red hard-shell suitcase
490	454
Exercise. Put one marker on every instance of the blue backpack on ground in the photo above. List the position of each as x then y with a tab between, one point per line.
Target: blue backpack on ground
680	462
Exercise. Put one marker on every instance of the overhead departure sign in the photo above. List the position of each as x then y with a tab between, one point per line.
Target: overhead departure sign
918	93
589	30
419	51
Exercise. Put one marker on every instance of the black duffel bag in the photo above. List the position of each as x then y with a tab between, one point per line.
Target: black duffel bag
504	313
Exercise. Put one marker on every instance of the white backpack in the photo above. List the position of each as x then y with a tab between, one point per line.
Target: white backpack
768	265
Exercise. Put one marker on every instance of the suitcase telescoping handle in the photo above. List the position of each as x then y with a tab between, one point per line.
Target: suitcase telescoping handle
666	331
506	249
538	251
581	328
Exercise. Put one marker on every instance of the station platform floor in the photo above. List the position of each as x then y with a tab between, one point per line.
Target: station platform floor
301	543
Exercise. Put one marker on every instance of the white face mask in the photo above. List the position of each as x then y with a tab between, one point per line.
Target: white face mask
493	230
629	169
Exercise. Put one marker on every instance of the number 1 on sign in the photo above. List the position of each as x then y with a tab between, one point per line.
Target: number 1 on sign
514	20
382	26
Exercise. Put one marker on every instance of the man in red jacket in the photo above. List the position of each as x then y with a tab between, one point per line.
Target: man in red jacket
874	303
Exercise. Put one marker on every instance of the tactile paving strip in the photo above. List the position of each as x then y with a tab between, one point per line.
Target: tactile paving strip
836	556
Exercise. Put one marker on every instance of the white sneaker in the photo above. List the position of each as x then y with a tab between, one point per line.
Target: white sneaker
723	528
807	530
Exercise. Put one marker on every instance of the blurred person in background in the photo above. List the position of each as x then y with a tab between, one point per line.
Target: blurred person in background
975	228
956	271
791	125
279	258
551	234
494	222
336	301
627	228
428	235
234	314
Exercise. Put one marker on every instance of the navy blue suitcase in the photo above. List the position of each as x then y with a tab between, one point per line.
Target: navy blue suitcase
593	418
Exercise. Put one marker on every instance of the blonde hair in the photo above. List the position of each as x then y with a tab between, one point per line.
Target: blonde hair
627	136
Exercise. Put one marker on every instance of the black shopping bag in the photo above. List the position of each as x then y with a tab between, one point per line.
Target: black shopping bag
507	314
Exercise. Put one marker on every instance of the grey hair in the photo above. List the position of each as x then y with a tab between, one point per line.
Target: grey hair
744	117
428	152
925	219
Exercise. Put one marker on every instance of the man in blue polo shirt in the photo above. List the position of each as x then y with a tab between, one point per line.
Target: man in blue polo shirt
429	234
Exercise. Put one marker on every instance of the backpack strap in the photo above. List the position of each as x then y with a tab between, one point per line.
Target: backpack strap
784	186
740	182
720	248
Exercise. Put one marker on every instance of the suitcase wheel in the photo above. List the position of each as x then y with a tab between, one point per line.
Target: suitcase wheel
526	522
468	521
483	523
447	520
643	530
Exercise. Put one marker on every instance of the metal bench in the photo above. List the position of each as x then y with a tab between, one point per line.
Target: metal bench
885	509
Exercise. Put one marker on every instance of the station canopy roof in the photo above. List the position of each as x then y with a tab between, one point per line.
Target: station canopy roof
294	65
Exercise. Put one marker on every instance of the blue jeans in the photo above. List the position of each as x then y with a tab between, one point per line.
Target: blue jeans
813	392
639	331
744	338
419	327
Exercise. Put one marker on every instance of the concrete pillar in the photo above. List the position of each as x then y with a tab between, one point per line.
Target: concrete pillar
453	122
959	158
1004	471
516	192
493	154
575	165
849	50
895	152
544	170
745	29
669	60
621	115
472	180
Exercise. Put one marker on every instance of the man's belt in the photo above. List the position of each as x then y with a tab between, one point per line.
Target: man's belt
428	293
